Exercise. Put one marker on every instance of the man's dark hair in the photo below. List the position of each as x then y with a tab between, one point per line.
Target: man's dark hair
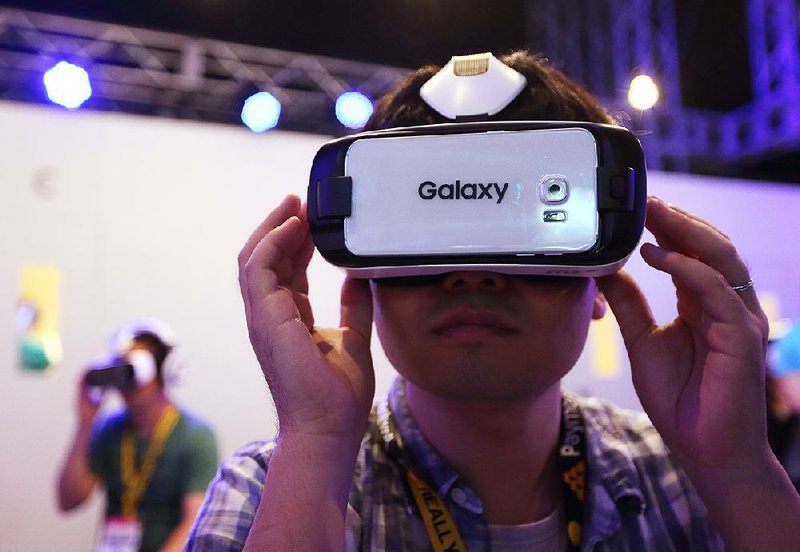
548	95
158	349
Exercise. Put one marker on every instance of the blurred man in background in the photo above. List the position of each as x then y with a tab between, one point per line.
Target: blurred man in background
153	460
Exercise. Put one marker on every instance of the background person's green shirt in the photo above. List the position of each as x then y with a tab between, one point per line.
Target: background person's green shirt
187	464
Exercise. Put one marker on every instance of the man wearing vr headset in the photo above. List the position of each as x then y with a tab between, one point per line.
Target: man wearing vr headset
154	460
477	446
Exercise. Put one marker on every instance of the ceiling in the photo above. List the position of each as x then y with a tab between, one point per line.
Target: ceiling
410	33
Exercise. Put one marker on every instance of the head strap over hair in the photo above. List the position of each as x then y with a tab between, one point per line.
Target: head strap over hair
470	86
122	340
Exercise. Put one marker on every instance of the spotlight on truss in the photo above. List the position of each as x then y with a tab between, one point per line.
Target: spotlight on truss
642	93
261	112
353	109
67	85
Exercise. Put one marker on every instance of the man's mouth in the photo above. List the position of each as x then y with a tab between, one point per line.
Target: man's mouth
472	324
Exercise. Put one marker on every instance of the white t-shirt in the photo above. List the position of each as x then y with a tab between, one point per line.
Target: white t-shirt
546	535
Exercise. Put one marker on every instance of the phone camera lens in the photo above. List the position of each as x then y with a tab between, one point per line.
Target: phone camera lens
553	189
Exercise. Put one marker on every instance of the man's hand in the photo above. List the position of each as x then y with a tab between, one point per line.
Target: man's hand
321	380
89	401
76	480
700	378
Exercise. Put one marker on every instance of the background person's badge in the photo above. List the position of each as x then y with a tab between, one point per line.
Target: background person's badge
120	535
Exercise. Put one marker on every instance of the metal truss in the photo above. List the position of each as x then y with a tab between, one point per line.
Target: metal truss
604	43
164	74
601	43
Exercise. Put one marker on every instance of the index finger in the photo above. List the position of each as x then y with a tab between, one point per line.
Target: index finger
303	255
290	206
629	305
680	231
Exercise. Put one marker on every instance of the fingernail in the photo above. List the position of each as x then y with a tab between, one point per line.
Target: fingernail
648	248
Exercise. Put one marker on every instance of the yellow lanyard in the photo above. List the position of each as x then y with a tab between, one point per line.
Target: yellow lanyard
135	482
442	531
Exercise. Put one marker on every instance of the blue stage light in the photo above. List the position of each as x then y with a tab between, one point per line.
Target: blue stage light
67	85
353	109
261	112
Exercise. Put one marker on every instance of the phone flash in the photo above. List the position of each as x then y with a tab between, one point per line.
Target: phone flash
555	216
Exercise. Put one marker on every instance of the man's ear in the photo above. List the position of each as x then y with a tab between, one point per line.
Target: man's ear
600	306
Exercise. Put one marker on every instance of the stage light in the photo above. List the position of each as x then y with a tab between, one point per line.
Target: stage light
261	112
643	92
67	85
353	109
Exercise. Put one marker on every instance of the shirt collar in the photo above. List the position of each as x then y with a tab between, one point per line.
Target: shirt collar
401	432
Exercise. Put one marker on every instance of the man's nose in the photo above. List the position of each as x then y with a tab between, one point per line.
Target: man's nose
475	280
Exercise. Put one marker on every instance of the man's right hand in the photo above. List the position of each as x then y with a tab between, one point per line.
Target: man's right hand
322	380
89	401
76	480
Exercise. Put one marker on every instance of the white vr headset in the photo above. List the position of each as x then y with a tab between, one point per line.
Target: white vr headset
125	368
521	197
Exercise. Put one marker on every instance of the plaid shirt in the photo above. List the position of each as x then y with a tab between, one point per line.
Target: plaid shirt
638	498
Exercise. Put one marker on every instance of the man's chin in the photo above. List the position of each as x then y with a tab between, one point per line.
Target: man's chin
470	382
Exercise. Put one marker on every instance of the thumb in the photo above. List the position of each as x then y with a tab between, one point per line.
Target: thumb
629	305
356	309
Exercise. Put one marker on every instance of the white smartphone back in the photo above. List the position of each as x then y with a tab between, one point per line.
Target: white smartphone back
525	192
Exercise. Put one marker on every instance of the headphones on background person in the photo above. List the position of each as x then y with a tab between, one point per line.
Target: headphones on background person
145	364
